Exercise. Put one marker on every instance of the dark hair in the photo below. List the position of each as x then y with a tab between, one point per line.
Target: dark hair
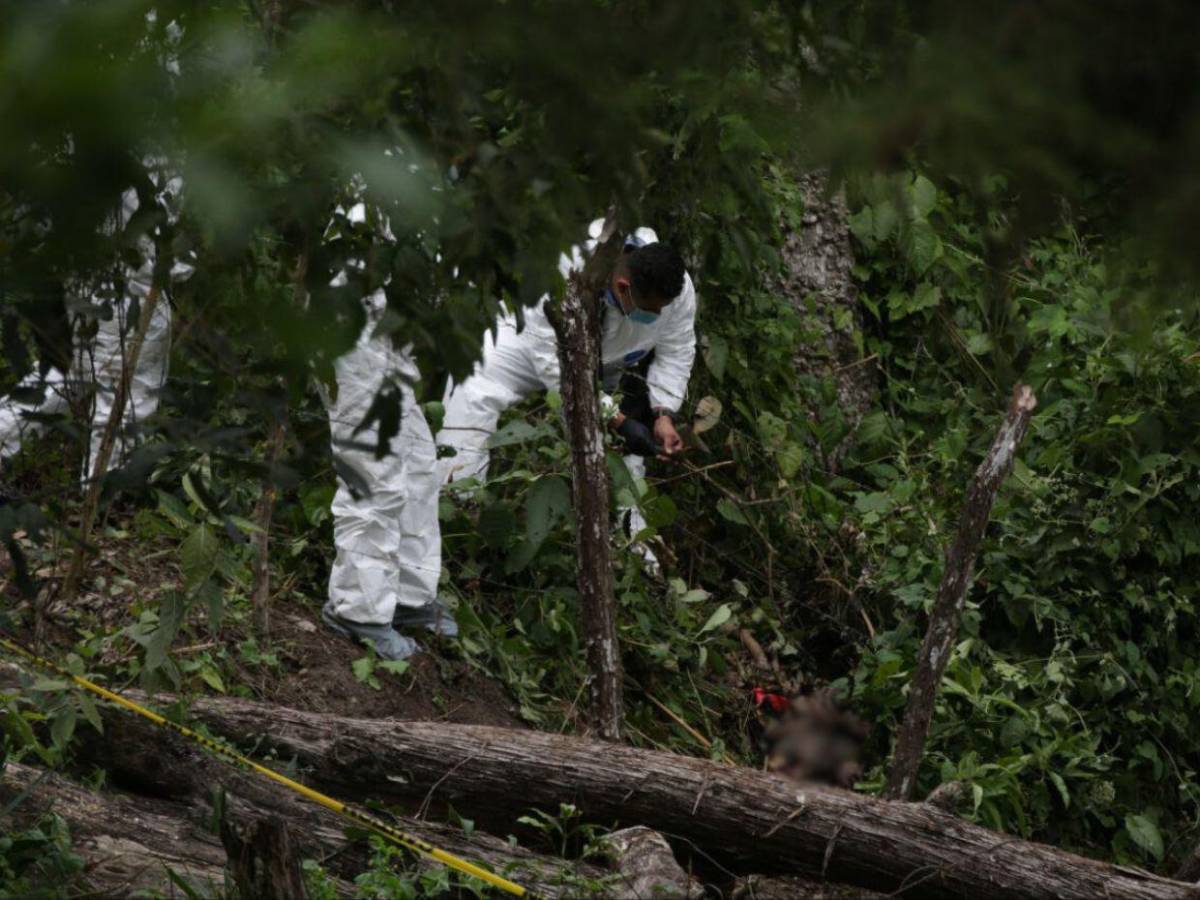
656	271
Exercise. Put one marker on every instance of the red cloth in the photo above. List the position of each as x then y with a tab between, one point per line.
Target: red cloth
777	703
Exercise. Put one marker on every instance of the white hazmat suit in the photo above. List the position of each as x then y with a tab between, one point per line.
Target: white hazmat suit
99	362
517	363
385	512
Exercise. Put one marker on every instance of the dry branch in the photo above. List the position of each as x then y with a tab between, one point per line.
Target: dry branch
263	514
952	593
91	501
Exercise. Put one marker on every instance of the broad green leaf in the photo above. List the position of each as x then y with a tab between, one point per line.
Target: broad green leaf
862	226
88	706
363	667
719	617
1145	834
790	459
62	727
190	489
170	617
315	500
1014	731
213	679
174	510
731	512
1061	785
885	220
394	666
517	431
715	356
926	296
497	525
660	511
923	247
198	557
548	504
924	196
434	412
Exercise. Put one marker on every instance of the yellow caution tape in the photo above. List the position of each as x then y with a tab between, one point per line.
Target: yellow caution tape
225	754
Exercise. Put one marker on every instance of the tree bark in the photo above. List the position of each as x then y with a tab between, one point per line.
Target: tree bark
127	840
746	820
576	325
262	518
91	500
127	846
818	260
947	609
647	866
262	859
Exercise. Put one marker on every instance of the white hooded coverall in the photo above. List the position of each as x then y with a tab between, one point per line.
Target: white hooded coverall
99	362
385	521
517	363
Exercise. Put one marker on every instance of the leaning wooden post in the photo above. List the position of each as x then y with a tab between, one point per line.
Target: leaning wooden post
575	319
947	609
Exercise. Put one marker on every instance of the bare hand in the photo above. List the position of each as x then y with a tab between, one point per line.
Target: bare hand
665	434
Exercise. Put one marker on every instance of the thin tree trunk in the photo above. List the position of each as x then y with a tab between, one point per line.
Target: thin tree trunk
745	820
91	500
947	609
262	518
576	324
263	859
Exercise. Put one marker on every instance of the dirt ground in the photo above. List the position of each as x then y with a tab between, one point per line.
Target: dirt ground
315	666
317	676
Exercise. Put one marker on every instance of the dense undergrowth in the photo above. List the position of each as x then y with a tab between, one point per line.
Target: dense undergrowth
1070	703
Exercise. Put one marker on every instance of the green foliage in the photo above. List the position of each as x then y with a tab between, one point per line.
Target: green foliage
1070	702
365	667
37	862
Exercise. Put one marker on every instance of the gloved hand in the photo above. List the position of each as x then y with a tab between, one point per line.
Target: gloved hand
638	438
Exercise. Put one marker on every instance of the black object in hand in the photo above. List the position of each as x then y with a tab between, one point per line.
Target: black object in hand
638	438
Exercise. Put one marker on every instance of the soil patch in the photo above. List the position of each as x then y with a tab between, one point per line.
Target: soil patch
318	676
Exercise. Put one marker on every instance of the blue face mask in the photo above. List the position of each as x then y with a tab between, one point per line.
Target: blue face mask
640	316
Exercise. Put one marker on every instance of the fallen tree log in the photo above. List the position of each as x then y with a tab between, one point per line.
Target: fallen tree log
129	841
126	846
154	766
748	821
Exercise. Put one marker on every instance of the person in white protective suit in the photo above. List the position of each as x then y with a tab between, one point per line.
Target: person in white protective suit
97	364
648	345
385	512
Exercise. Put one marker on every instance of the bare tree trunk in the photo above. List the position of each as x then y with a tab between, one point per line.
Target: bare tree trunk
262	518
91	500
745	820
576	324
947	609
818	261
